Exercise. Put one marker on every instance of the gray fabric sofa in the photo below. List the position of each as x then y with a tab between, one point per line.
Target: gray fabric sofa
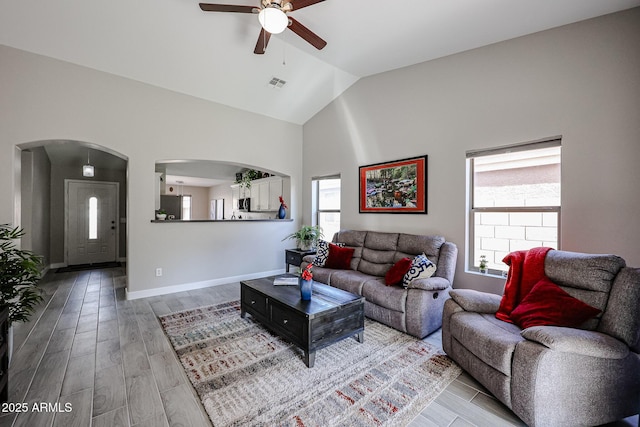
416	310
557	376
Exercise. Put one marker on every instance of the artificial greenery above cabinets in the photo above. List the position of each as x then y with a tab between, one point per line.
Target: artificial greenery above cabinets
247	177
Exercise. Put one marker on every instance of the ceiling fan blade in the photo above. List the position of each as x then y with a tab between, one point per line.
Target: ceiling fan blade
263	40
299	4
226	8
312	38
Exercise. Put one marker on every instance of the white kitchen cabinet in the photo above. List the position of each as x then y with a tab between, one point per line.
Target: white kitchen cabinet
265	194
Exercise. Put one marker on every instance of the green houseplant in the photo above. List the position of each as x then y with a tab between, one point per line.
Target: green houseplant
307	236
19	276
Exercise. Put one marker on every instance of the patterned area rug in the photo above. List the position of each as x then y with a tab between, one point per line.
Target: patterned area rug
246	376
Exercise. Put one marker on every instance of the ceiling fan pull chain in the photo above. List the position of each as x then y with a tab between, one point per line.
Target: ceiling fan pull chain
284	51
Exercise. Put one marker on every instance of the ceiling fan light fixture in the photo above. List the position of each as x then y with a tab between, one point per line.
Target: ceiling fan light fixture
273	20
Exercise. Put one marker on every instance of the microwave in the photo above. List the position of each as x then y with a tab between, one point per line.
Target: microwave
244	205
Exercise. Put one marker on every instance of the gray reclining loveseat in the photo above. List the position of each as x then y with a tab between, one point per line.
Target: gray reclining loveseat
551	375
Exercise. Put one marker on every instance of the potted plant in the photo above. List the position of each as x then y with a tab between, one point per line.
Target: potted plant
19	276
307	237
483	264
161	214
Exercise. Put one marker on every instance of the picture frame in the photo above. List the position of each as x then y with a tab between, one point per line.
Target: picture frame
399	186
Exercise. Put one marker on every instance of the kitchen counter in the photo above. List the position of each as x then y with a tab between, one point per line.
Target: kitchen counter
173	221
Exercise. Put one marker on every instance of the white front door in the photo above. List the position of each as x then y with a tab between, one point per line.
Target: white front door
92	228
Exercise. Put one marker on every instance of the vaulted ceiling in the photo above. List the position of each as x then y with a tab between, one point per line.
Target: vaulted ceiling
175	45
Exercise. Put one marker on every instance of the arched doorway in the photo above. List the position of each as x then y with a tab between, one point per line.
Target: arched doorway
46	168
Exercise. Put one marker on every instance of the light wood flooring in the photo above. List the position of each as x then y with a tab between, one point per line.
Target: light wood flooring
108	358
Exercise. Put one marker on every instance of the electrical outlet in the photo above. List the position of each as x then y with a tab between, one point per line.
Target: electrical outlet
158	272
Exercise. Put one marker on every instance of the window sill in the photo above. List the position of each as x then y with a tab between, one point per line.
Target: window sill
492	275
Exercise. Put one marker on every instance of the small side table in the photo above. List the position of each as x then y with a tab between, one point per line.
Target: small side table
294	257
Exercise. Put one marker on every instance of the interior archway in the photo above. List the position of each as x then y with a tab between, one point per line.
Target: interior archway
43	168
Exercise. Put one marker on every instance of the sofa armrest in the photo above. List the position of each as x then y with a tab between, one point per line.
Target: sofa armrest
309	258
430	284
577	341
476	301
447	261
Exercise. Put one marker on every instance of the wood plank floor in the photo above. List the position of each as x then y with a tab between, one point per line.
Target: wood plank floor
108	359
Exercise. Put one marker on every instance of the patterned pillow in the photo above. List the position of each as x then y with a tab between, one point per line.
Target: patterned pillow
421	268
322	252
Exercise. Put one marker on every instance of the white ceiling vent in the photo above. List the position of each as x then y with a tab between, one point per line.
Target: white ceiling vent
276	83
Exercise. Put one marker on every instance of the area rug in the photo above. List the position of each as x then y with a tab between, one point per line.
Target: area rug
247	376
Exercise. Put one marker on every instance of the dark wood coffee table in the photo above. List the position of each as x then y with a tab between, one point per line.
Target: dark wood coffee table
330	316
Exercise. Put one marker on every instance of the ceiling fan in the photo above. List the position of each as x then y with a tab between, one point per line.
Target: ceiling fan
273	18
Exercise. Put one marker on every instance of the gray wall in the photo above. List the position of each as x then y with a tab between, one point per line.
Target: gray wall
36	202
581	81
45	99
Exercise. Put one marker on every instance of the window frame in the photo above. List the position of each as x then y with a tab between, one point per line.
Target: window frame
315	192
472	210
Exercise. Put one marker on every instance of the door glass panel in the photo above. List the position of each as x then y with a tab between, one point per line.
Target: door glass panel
93	217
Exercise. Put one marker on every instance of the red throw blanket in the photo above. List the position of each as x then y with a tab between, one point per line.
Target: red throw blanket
526	268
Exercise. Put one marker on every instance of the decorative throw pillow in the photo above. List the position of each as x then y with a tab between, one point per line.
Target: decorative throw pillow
421	268
396	273
548	304
339	257
322	252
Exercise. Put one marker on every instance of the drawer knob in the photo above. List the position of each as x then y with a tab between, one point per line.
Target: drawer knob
285	321
252	302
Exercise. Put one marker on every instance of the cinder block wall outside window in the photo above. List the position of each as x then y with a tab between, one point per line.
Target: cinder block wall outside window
499	233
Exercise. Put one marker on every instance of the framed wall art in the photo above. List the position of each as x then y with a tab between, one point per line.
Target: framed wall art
394	187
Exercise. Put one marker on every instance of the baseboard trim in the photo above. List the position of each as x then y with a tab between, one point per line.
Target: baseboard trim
196	285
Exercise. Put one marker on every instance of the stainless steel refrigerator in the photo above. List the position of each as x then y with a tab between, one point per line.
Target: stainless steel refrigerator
173	206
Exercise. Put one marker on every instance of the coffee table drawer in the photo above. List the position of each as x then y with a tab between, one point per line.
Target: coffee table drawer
290	323
333	327
255	301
